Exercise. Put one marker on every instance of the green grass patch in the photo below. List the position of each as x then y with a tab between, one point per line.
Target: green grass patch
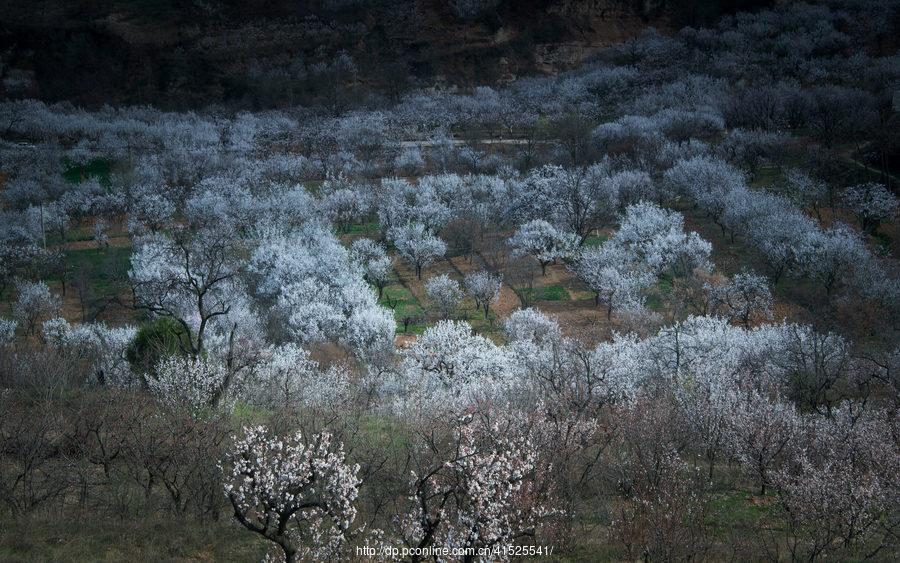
85	536
655	299
664	285
100	259
595	240
883	242
396	296
80	232
364	228
766	176
404	304
490	327
739	509
249	414
554	292
313	186
388	432
105	268
414	328
582	295
98	168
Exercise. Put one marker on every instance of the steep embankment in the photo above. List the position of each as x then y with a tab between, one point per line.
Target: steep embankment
256	54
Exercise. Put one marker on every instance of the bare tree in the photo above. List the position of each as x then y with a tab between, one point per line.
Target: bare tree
190	277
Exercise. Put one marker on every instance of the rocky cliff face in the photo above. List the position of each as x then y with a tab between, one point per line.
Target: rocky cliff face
256	54
592	25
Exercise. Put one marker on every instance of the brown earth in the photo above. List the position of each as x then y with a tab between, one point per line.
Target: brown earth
116	242
182	55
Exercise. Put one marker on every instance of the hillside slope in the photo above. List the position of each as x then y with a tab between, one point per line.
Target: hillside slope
256	54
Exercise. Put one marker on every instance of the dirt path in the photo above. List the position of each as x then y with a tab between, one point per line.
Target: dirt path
505	304
424	143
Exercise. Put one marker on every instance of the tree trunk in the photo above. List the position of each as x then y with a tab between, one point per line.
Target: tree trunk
290	554
43	233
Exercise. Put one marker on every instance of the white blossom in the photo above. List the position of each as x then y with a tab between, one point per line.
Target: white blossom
195	384
34	303
300	495
871	203
543	241
484	287
7	331
445	293
417	245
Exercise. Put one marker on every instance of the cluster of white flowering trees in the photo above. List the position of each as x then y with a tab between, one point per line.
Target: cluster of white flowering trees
734	392
103	347
484	287
544	242
835	257
192	278
373	259
318	289
292	281
416	245
650	242
744	298
616	283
